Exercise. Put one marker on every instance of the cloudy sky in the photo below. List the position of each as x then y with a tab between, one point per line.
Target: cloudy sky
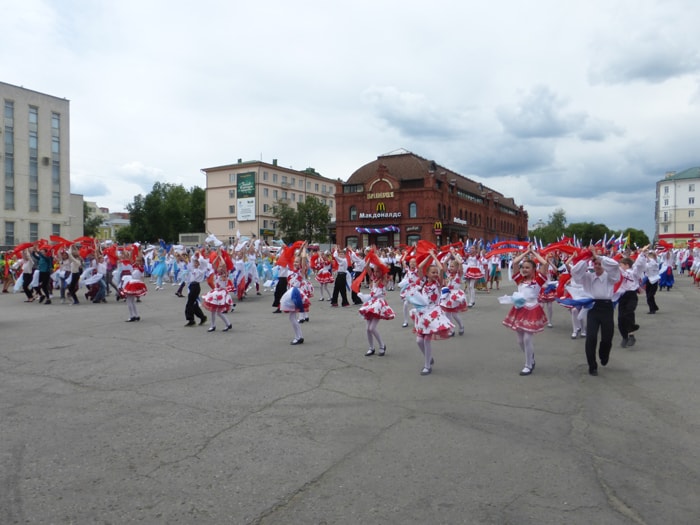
580	105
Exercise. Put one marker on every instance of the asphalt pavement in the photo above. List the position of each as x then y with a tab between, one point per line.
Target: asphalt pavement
107	422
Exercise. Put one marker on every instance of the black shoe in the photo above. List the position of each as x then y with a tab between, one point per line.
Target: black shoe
300	321
278	311
131	319
137	318
526	371
48	302
652	312
41	299
624	342
297	341
369	352
211	329
593	371
604	360
382	351
203	320
227	328
631	341
190	323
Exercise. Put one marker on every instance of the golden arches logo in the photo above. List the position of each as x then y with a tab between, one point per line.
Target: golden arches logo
437	225
381	207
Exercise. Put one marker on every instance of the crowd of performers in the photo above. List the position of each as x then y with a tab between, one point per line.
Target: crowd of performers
437	284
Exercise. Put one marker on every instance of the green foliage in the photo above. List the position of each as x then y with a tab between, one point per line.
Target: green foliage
585	232
309	221
164	213
90	224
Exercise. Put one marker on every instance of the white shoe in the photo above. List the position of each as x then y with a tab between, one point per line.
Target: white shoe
574	335
583	334
405	325
549	325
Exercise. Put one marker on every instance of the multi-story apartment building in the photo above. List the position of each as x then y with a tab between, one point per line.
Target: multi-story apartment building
678	207
241	197
35	152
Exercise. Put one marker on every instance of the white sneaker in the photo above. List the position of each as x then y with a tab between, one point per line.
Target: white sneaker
583	334
574	335
549	325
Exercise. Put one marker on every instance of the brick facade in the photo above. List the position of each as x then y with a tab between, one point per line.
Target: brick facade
401	198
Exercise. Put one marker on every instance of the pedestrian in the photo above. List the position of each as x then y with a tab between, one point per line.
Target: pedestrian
341	277
135	288
631	272
218	301
598	285
454	300
651	281
429	321
196	274
375	308
526	316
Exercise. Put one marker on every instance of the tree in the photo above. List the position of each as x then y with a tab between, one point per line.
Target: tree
637	238
587	232
287	221
314	217
308	222
167	211
90	224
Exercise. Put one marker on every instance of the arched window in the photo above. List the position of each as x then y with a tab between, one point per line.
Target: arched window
439	211
353	213
412	210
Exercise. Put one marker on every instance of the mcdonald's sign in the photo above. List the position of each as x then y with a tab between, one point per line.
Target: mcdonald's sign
381	207
437	227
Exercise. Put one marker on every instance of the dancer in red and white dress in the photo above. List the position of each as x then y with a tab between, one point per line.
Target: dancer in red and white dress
527	316
294	300
548	292
218	301
322	264
375	308
429	320
408	284
473	271
133	288
455	300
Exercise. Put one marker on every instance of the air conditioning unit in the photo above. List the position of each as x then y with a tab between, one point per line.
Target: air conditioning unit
45	161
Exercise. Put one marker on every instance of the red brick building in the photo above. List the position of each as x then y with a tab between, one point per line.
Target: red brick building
401	198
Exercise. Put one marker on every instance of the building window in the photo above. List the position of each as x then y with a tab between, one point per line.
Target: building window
294	196
665	202
231	194
232	178
55	187
665	190
293	181
412	240
308	185
33	231
284	195
275	194
665	228
264	175
301	184
266	192
316	187
330	203
56	229
665	216
691	200
691	187
412	210
691	213
265	223
353	213
351	241
284	179
232	209
691	227
231	225
301	197
274	177
10	233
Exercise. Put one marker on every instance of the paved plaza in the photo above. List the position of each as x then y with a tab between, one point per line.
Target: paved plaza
107	422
